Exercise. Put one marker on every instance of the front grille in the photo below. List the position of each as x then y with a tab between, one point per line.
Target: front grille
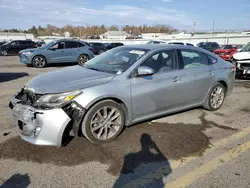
28	97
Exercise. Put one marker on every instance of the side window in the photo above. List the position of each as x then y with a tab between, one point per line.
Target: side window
22	43
59	45
192	59
70	44
190	44
162	61
211	59
14	43
80	44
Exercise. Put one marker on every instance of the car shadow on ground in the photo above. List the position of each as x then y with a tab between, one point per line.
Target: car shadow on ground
16	181
8	76
149	164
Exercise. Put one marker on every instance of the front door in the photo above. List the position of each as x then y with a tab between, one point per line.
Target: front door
56	53
71	51
161	92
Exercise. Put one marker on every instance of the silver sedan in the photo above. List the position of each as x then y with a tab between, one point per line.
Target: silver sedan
121	87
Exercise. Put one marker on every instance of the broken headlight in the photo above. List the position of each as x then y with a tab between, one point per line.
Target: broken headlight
56	100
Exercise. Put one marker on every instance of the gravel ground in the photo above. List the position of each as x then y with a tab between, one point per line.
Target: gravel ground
83	164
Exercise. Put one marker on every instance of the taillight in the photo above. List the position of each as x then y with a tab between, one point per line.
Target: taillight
233	69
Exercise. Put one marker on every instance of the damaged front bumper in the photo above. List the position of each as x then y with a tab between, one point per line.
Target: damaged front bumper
46	127
242	67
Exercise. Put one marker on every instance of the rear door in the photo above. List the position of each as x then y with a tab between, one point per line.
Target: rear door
71	51
22	45
198	75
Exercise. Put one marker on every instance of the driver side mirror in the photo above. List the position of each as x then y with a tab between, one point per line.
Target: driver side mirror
144	71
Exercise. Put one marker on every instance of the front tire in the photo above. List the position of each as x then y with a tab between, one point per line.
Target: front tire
39	61
216	97
82	59
103	122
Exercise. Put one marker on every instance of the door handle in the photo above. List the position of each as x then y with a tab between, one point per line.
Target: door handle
176	79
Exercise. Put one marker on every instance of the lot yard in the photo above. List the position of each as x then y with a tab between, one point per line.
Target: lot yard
197	148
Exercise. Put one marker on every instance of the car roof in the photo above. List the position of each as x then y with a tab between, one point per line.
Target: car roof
160	46
155	47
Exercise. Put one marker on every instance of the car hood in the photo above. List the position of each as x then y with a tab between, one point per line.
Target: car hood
241	55
30	50
67	79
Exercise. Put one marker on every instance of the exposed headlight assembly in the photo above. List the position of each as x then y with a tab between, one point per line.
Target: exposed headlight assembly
56	100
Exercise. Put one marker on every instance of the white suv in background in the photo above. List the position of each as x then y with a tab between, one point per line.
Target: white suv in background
241	60
170	42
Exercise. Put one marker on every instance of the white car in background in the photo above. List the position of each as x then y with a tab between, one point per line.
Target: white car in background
241	60
170	42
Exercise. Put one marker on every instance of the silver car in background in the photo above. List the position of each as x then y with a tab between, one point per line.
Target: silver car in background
121	87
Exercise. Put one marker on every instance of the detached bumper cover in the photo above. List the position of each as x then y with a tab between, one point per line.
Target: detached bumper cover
45	127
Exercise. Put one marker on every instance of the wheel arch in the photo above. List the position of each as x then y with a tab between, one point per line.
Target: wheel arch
117	100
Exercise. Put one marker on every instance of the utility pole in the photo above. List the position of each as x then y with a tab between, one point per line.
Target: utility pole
155	28
194	25
213	27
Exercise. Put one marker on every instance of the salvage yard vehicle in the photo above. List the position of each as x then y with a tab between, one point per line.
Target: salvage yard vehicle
209	46
226	51
110	46
169	42
15	46
118	88
241	60
57	51
97	47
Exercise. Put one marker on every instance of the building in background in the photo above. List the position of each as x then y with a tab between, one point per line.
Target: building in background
117	35
7	36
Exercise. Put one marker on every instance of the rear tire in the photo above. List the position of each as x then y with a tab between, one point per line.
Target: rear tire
39	61
215	98
82	59
103	122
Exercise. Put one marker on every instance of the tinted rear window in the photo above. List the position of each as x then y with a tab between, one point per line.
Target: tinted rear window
70	44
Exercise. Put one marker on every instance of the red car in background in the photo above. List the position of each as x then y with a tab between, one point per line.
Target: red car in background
226	51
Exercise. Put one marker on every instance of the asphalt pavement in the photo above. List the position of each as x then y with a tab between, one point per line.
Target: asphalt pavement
194	148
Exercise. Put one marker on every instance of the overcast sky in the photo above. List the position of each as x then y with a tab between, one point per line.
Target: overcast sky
180	14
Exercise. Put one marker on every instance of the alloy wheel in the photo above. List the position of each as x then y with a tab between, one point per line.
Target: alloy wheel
82	59
217	97
39	62
105	123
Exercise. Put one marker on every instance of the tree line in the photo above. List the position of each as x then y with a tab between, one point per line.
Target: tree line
78	31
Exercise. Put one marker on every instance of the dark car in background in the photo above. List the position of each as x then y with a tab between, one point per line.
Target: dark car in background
210	46
15	46
2	42
97	47
113	45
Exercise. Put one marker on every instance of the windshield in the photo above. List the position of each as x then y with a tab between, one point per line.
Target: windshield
48	44
227	47
246	48
115	61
